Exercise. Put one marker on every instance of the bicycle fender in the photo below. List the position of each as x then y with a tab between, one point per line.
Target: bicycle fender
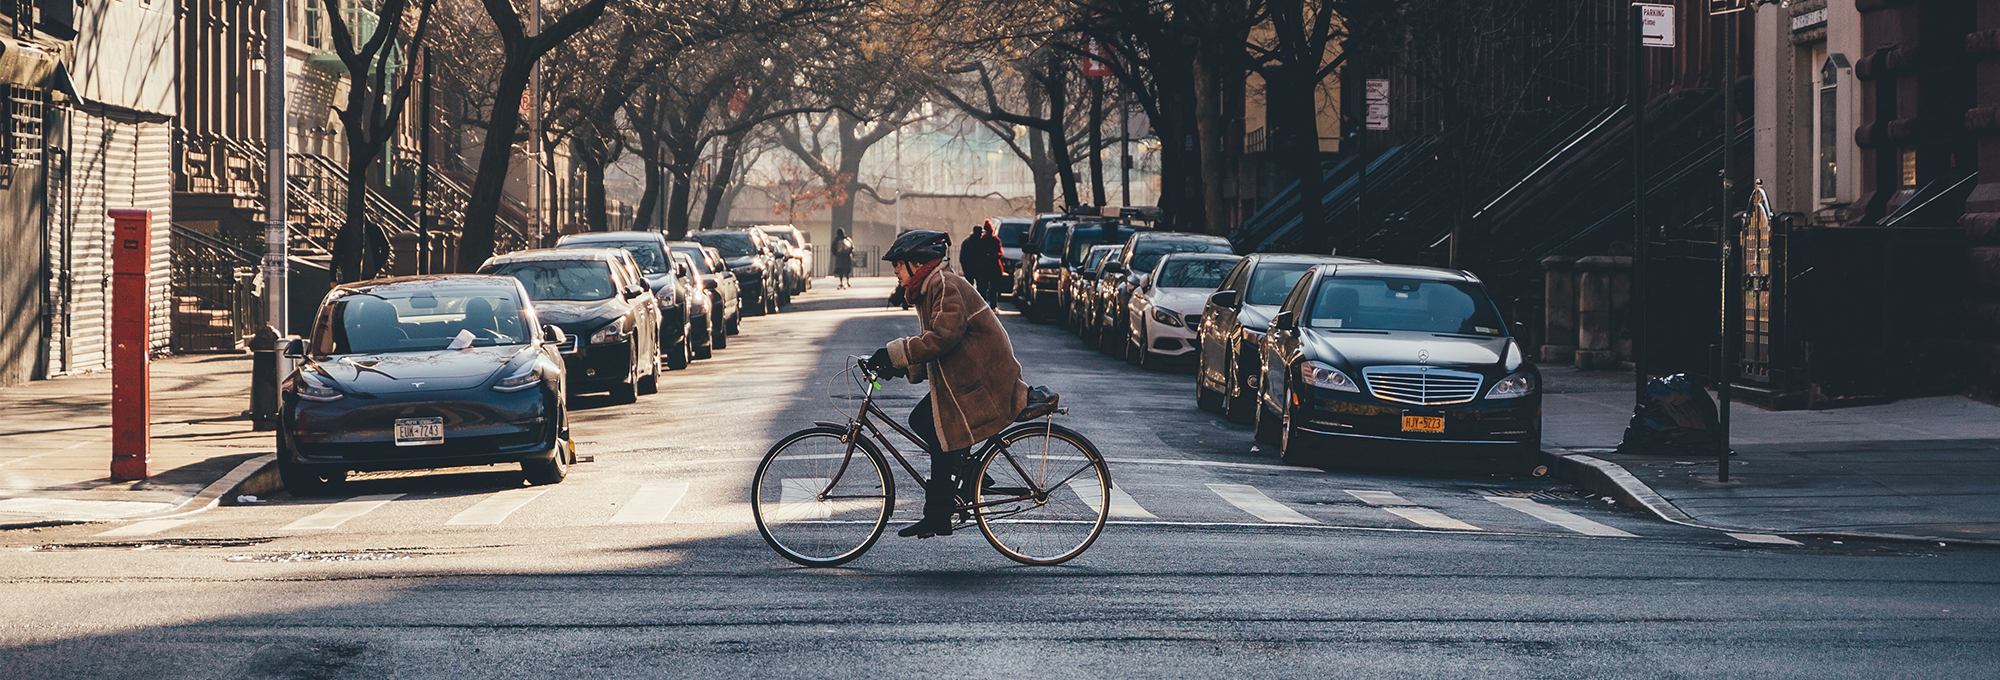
829	423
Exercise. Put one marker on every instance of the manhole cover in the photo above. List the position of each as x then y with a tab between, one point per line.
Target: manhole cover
1559	495
153	544
295	557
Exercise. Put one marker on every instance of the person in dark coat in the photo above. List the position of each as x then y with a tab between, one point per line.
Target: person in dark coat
843	258
979	258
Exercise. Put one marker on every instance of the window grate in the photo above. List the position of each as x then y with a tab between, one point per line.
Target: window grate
23	147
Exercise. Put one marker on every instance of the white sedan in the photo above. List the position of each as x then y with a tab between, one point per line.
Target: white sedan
1166	311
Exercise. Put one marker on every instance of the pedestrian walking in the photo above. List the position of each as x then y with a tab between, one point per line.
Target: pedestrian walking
843	258
979	258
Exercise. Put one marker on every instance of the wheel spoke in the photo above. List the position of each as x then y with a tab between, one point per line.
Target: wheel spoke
819	500
1043	515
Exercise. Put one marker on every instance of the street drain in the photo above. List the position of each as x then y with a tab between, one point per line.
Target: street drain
1543	495
296	557
153	544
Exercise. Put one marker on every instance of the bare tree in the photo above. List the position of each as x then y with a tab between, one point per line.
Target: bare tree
374	108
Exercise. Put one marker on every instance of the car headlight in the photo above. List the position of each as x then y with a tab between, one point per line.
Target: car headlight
609	334
311	388
1322	375
524	379
1516	385
1166	317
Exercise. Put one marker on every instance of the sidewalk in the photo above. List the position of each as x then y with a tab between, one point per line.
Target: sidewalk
1919	468
55	443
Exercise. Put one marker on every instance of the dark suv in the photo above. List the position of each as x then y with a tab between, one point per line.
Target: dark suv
749	255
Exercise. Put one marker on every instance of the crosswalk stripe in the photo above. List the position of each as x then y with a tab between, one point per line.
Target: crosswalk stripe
1431	518
1764	538
1558	517
1378	497
1248	499
651	503
1122	505
338	513
495	508
146	528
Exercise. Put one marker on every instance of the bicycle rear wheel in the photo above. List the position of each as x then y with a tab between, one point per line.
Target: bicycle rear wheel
820	502
1051	493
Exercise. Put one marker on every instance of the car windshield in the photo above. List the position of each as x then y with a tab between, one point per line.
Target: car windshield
565	280
700	259
651	258
1272	281
731	243
1081	243
1392	304
785	235
1194	273
1052	241
1148	253
1012	233
419	321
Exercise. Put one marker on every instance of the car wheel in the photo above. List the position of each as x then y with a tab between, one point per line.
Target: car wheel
1207	399
1135	350
677	357
1147	360
705	348
625	392
1270	432
1241	407
1292	449
1088	332
551	469
770	304
302	480
736	322
718	333
1115	342
649	383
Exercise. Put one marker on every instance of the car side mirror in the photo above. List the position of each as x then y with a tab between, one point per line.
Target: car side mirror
1223	298
1285	321
553	335
1114	268
634	291
708	284
294	348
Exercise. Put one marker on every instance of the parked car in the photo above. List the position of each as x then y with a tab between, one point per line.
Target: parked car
799	250
1375	359
596	296
1232	330
1079	289
424	372
1165	313
1011	231
1031	248
1141	253
1097	313
757	269
1036	288
724	295
683	328
701	331
1076	247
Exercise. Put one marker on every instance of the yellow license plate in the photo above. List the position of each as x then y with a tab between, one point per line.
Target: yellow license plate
1431	424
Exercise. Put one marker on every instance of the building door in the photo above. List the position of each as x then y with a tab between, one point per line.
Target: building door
1826	129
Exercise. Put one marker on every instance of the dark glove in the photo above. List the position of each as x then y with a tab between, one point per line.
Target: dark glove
879	362
896	298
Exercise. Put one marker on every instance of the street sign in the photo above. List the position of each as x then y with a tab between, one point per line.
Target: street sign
1093	65
1656	25
1378	104
1717	7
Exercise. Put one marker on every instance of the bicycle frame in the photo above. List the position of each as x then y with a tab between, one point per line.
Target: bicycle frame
861	421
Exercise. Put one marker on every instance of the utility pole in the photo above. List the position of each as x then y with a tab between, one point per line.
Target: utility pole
275	262
1726	235
427	211
1125	146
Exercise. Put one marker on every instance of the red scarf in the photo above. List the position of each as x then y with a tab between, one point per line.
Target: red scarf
923	272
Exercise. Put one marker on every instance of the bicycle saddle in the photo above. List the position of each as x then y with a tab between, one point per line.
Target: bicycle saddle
1041	402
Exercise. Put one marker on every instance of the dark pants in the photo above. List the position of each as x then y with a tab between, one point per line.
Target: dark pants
924	424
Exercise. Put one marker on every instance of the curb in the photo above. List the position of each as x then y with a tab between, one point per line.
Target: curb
258	475
1609	479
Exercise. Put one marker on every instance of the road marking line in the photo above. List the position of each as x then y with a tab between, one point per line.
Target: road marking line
146	528
1122	505
338	513
1378	497
495	508
1248	499
1764	538
651	503
1431	518
1558	517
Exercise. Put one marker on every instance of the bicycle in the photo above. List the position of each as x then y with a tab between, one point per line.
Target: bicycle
823	495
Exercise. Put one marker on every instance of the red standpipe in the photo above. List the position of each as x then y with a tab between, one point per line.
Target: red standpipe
131	399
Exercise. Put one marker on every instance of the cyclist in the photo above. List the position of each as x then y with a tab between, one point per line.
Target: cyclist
961	349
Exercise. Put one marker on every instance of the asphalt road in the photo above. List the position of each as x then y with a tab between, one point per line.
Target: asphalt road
644	563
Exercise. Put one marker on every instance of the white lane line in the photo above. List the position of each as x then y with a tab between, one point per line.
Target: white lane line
651	503
338	513
495	508
1558	517
1431	518
1764	538
1122	505
146	528
1378	497
1248	499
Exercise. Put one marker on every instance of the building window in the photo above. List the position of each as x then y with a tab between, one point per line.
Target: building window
22	147
1827	108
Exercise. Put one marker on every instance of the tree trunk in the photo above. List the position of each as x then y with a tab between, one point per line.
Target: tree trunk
1292	136
718	186
1209	128
842	213
649	201
1097	141
596	216
677	201
482	209
1180	158
1058	140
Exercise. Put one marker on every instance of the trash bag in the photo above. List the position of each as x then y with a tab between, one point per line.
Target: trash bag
1677	417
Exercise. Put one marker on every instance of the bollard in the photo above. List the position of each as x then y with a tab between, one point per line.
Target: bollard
131	400
264	379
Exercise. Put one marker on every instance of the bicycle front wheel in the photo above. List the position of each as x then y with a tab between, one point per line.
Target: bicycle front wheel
1050	493
820	501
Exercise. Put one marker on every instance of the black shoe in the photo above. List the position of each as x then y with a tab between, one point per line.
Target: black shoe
939	502
936	525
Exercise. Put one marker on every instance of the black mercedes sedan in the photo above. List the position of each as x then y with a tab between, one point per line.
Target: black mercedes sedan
1366	360
596	296
424	372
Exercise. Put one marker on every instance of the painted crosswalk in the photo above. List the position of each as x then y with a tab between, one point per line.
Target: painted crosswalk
661	501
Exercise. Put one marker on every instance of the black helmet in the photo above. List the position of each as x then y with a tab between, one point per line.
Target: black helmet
922	245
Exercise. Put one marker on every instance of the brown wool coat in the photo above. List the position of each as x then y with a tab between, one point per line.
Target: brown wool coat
976	388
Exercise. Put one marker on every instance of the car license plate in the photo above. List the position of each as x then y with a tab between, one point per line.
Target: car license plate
1431	424
419	431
